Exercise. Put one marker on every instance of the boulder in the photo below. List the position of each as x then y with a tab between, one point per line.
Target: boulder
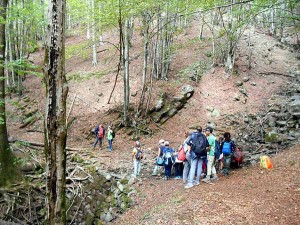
166	106
294	108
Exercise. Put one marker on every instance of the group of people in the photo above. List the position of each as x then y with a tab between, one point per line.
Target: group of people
196	156
99	132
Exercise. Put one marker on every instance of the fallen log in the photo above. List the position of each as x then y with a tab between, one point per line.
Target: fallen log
36	144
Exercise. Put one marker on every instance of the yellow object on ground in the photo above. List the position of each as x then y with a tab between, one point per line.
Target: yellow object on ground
265	162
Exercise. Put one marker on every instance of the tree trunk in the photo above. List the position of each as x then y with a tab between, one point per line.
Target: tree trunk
146	21
95	61
55	118
126	71
7	169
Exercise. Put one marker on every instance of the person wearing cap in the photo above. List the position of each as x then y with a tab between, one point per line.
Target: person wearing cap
137	155
211	169
196	160
168	156
159	154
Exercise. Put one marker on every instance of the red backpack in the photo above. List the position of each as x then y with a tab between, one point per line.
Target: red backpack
101	132
238	156
181	154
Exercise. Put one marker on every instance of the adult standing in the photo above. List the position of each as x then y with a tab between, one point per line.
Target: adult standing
110	138
211	169
100	132
187	162
197	145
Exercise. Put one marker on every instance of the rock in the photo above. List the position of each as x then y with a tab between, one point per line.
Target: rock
120	186
236	97
294	108
215	113
131	181
243	91
187	91
272	121
281	123
253	83
245	79
239	83
108	217
209	108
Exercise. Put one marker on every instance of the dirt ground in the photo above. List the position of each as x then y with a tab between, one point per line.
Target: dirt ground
248	196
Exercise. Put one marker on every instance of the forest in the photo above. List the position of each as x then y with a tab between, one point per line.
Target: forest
127	53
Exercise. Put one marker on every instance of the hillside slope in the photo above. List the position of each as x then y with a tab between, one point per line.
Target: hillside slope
249	196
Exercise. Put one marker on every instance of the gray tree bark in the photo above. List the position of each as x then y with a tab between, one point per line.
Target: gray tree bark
55	118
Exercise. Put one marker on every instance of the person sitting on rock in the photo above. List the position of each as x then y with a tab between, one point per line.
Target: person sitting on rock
159	154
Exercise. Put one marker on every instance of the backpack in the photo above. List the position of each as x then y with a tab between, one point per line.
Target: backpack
113	134
199	144
101	132
168	158
238	156
217	150
139	154
226	150
181	154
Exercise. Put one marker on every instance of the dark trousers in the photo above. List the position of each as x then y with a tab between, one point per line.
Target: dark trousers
168	170
98	140
178	169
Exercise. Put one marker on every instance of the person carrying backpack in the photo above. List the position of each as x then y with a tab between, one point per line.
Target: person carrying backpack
227	148
211	169
168	158
137	156
161	145
197	147
99	132
187	162
110	137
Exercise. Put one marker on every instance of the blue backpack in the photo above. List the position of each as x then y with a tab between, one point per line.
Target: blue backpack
168	157
226	150
217	150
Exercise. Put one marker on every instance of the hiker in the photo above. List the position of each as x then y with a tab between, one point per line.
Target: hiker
110	137
100	132
159	157
137	156
168	157
227	148
211	169
220	160
178	166
187	162
197	147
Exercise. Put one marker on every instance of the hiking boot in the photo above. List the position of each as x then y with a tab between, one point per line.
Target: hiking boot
206	180
214	178
189	185
165	178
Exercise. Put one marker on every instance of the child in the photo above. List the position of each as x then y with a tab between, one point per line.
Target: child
168	160
137	155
